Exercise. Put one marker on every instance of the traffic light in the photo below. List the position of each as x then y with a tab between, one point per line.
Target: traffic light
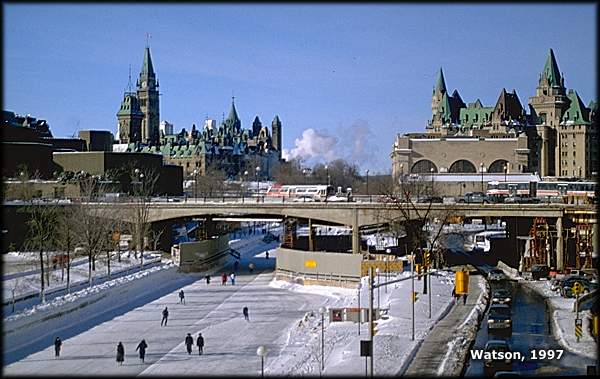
427	258
374	331
415	296
418	270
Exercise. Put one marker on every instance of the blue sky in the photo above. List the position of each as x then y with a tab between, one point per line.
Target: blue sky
344	79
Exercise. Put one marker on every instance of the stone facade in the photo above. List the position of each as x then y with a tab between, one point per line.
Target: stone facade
556	138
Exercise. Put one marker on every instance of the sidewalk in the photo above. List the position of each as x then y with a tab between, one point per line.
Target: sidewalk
441	352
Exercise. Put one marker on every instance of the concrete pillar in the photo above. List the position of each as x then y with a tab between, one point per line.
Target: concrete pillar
560	244
355	233
311	236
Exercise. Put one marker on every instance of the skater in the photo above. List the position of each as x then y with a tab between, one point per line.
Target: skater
232	276
464	299
181	297
200	343
189	341
267	254
165	314
207	279
120	353
223	279
251	267
57	344
142	348
245	312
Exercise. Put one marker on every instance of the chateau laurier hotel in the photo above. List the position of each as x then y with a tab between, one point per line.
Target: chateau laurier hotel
556	138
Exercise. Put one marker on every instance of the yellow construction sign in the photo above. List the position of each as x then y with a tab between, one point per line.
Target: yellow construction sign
310	263
461	281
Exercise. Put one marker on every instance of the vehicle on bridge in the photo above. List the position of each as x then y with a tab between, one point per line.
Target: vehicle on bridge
501	296
473	198
543	189
318	192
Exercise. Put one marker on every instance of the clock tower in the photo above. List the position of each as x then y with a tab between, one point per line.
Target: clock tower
147	93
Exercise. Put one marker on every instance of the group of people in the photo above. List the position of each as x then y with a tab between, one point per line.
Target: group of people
224	278
189	342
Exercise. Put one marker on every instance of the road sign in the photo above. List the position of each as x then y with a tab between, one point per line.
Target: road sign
366	348
310	263
578	328
577	288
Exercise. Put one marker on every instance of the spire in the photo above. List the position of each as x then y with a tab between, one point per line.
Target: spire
440	85
129	85
550	72
147	69
233	116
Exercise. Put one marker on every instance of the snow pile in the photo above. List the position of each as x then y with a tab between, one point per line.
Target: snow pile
563	320
458	348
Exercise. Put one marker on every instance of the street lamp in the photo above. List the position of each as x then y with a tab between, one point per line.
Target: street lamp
195	183
367	172
267	154
378	281
327	169
245	183
388	251
304	174
359	310
432	170
257	179
481	169
322	311
505	170
262	353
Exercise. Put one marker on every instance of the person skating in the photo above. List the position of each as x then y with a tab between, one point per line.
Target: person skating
200	343
232	277
181	297
207	279
120	353
245	312
267	254
57	344
223	279
142	348
165	314
464	299
189	341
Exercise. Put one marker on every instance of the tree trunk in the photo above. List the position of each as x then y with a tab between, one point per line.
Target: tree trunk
68	268
90	269
42	293
47	269
93	262
108	262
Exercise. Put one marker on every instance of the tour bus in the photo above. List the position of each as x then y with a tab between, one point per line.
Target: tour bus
544	189
317	192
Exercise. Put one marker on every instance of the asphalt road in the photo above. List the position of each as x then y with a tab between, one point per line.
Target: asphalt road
531	330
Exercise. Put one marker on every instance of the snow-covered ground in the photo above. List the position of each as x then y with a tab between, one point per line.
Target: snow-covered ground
283	317
563	320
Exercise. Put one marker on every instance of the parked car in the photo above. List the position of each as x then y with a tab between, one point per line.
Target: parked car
490	366
430	199
501	296
473	198
496	274
499	318
540	272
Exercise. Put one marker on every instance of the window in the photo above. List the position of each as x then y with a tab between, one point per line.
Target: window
574	154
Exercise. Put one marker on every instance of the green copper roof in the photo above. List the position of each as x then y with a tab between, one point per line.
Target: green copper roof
550	71
577	111
147	69
592	105
130	106
444	107
440	85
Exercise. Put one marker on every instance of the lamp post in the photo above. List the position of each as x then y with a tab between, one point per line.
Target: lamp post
322	311
412	295
481	169
304	174
432	170
244	186
359	310
505	169
267	155
327	169
367	172
262	353
388	251
378	281
195	183
257	179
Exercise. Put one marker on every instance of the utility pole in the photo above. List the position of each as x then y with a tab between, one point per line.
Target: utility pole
371	317
412	295
428	278
359	310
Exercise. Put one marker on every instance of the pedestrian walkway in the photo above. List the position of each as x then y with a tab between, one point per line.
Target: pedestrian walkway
433	349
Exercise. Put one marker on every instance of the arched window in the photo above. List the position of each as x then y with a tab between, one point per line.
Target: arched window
498	166
462	166
423	166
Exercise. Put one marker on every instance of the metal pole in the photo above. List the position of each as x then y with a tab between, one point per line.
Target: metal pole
412	295
322	341
371	317
262	366
359	310
428	278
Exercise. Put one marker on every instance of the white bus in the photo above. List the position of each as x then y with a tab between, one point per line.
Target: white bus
317	192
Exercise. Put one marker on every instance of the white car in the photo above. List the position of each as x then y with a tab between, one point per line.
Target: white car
337	199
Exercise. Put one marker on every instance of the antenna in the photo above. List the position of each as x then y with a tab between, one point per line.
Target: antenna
129	89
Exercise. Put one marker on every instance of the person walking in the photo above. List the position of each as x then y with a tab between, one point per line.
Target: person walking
251	267
165	314
181	297
200	343
245	312
464	299
120	353
223	279
267	254
189	341
207	279
142	348
232	277
57	344
454	296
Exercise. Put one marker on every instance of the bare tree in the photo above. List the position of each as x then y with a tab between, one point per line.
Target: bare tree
66	239
212	182
144	182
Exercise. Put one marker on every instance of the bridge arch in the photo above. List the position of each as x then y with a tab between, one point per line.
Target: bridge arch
497	166
423	166
462	166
